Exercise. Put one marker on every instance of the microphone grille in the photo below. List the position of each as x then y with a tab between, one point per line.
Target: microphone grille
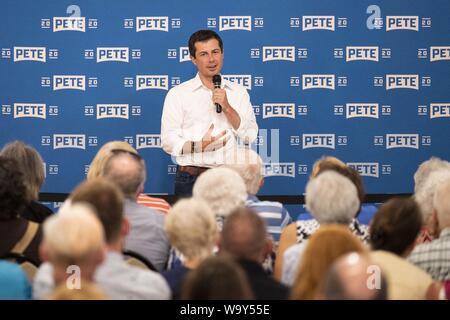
217	78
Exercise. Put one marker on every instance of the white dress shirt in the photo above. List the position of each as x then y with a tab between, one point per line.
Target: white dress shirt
189	112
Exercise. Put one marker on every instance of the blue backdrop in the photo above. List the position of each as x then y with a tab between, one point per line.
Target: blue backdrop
366	81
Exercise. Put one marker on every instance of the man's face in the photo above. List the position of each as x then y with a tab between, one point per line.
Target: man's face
208	58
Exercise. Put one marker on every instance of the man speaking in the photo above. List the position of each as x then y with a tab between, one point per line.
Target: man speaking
203	116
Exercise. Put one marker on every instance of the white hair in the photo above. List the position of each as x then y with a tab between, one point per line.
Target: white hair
425	169
425	194
332	198
249	165
441	203
191	228
74	234
222	189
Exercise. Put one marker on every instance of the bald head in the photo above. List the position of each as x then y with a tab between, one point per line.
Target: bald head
127	171
354	277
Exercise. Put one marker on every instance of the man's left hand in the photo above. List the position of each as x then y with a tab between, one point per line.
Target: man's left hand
220	97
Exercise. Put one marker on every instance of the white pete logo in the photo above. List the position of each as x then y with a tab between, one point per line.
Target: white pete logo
398	140
244	80
77	141
362	53
105	111
120	54
402	23
439	110
30	54
318	23
366	169
402	81
148	141
275	110
363	110
152	23
75	82
315	140
439	53
152	82
69	24
30	110
235	23
271	53
281	169
318	81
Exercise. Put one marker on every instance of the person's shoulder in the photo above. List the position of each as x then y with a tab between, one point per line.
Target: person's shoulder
235	86
184	86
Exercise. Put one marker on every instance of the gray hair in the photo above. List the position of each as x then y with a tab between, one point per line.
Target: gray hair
127	171
191	228
222	189
332	198
249	165
441	203
425	169
425	194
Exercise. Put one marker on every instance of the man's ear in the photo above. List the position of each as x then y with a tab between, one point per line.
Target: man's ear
125	227
193	60
43	251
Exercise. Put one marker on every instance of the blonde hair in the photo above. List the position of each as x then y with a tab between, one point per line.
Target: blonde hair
324	247
191	228
325	160
88	291
74	235
31	165
104	154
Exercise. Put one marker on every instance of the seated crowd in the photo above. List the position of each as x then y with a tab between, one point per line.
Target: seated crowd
223	242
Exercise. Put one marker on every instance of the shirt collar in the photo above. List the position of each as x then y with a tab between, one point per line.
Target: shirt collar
445	233
197	83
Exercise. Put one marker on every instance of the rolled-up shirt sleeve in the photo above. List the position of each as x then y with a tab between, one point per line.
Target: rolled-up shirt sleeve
248	128
172	139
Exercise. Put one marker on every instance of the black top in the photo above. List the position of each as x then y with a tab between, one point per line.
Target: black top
36	212
12	231
264	286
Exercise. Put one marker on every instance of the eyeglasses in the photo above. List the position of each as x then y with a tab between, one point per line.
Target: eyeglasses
133	154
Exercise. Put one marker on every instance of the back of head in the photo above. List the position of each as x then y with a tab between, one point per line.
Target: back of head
441	203
31	165
107	201
396	225
425	169
12	190
353	277
127	171
217	278
103	154
332	198
325	162
191	228
73	236
88	291
223	190
324	247
244	235
425	194
249	165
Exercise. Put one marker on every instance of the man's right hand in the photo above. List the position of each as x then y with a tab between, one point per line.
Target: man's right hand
212	143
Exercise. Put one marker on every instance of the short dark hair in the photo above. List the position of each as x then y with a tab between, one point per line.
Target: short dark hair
396	225
244	234
107	201
13	193
200	36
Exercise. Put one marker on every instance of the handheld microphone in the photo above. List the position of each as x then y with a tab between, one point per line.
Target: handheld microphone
217	80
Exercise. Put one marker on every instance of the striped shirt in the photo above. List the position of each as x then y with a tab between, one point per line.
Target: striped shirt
274	214
434	256
155	203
